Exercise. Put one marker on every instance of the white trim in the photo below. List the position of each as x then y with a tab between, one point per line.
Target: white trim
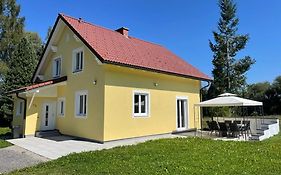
53	62
76	103
147	106
59	114
186	113
74	52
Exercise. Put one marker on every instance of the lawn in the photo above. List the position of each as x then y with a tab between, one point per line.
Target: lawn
4	133
172	156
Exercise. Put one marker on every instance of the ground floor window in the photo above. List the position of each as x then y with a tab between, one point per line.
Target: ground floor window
61	106
140	101
81	103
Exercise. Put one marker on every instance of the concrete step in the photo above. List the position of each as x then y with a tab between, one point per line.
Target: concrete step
49	133
256	136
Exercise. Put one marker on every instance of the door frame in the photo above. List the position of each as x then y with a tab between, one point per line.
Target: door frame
186	113
52	114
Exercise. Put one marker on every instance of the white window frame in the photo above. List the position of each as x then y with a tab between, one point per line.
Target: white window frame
59	112
19	108
77	104
147	104
54	67
74	61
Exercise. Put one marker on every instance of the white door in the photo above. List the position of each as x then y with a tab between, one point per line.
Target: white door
182	114
48	117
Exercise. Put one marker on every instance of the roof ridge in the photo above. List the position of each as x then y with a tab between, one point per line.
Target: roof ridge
110	29
95	25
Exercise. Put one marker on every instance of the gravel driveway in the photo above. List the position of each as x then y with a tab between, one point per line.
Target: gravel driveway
14	157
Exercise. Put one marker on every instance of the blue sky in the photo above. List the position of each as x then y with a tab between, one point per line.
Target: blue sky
183	26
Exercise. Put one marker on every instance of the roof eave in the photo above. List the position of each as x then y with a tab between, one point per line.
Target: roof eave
157	71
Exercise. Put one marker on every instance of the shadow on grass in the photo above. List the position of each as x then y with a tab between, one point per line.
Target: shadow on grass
6	136
5	133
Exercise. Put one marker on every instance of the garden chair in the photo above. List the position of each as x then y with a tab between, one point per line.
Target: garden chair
223	129
234	129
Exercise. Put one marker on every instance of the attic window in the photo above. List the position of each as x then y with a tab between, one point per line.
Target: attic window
78	60
57	67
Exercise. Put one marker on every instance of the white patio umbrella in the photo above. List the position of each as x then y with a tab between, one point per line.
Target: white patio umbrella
226	99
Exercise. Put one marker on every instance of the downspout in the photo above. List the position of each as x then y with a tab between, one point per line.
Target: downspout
24	113
201	111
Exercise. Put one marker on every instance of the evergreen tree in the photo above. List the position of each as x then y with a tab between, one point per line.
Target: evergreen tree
23	63
228	72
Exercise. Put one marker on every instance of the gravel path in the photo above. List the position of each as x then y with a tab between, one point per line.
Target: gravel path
14	157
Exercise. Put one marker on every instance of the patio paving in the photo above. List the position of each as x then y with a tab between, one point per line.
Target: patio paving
55	147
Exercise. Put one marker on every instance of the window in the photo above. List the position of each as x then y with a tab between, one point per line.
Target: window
20	108
141	101
78	60
61	106
81	103
57	67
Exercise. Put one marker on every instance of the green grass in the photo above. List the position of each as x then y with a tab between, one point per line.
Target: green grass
172	156
4	133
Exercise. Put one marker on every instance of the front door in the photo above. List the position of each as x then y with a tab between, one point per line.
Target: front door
182	114
48	117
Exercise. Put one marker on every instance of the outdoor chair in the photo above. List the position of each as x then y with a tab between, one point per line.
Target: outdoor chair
234	129
247	127
214	127
227	122
223	129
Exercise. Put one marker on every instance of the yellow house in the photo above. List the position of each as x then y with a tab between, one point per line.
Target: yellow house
103	85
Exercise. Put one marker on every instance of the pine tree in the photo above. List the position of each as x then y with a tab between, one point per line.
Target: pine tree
229	73
23	63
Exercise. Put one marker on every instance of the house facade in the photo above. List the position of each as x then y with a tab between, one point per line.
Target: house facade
104	85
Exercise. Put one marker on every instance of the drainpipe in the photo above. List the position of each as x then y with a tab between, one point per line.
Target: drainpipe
201	110
24	112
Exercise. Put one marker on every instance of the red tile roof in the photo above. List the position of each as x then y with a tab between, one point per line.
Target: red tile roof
112	47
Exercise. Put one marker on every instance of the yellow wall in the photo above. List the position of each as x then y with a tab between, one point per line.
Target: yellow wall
92	126
119	86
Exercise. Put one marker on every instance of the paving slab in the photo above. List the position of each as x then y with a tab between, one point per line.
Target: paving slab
55	147
14	157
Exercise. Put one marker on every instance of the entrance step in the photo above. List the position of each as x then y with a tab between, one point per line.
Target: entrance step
49	133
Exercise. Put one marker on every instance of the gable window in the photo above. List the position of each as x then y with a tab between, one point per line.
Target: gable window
61	106
81	103
141	101
57	67
78	60
19	108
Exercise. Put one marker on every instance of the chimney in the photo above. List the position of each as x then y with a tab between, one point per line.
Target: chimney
124	31
80	20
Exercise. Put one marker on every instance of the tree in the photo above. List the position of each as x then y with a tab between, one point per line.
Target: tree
48	34
11	29
274	97
229	73
36	42
24	61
